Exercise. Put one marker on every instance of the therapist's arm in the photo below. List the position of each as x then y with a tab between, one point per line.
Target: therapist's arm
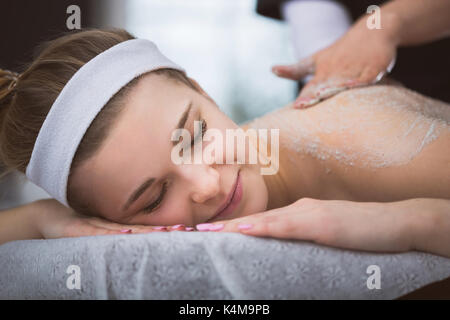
362	54
417	21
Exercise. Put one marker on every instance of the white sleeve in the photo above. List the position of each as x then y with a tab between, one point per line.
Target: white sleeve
315	24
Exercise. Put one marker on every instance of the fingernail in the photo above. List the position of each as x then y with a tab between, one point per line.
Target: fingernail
203	226
244	226
189	228
177	226
160	228
299	104
351	82
126	230
216	227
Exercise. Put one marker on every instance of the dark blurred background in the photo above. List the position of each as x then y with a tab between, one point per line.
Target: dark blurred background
25	23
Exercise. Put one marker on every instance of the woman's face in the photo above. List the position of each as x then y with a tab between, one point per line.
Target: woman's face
135	163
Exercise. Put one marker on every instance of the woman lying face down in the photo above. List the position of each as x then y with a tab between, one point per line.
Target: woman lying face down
366	169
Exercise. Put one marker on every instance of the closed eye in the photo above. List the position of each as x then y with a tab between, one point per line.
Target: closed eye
154	205
202	133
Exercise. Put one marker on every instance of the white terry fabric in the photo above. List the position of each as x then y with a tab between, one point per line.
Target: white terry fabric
207	265
315	24
77	105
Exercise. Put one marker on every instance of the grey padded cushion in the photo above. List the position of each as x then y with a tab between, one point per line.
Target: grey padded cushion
206	265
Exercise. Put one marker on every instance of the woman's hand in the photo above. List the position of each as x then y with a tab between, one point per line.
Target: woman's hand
368	226
361	57
54	220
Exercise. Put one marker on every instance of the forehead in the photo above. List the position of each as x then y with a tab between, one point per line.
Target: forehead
148	117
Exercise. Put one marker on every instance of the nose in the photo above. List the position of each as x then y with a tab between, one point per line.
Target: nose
205	183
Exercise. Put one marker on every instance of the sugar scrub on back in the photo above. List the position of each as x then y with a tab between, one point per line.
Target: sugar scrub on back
376	126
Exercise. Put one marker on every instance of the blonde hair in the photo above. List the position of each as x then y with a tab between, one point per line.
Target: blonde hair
26	98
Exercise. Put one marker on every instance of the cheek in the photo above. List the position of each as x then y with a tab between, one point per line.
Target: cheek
173	212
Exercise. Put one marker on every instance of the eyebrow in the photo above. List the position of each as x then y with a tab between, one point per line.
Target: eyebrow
149	181
183	120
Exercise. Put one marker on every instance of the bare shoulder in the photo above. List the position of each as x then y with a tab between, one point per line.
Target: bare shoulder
388	134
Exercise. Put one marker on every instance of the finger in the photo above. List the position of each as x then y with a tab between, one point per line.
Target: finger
317	91
106	224
231	225
371	75
281	226
87	229
295	71
103	223
135	228
146	229
307	95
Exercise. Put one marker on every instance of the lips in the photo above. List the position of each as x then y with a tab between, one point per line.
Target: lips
232	201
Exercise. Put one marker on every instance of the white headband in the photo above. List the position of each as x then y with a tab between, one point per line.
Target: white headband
77	105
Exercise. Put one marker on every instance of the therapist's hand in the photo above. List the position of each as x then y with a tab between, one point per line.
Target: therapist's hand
359	58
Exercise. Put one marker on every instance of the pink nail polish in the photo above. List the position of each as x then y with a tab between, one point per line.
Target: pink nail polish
244	226
177	226
126	230
189	228
351	82
216	227
160	228
203	226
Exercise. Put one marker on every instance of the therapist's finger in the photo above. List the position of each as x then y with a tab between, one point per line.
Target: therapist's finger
295	71
308	95
318	90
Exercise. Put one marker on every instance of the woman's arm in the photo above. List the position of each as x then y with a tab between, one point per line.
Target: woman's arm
421	224
430	224
49	219
18	223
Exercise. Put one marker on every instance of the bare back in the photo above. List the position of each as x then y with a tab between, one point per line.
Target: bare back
382	143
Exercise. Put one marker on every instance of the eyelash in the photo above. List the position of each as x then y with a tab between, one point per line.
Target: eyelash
204	127
158	201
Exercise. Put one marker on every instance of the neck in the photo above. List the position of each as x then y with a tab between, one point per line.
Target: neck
277	191
294	180
296	177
